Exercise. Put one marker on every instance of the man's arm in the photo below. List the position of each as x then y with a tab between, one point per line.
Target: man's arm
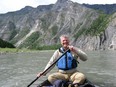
51	61
82	55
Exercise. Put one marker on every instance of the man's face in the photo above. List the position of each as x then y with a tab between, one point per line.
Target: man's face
65	42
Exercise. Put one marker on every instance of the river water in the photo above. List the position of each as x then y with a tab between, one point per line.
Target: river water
19	69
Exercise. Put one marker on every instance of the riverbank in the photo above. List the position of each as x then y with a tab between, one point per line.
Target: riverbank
17	50
13	50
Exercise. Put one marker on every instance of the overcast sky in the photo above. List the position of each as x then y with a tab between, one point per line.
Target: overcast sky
13	5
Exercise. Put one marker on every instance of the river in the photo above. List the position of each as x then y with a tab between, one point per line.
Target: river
19	69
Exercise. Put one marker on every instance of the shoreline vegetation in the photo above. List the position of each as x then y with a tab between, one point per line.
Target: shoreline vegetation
17	50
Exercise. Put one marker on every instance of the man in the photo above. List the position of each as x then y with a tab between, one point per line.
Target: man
67	64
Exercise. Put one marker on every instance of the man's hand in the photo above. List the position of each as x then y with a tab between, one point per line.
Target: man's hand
71	48
40	74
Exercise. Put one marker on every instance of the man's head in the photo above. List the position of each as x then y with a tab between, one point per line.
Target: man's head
64	41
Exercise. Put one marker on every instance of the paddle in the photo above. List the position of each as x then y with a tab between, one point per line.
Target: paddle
47	68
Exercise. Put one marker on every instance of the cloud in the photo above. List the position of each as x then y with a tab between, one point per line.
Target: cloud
13	5
44	2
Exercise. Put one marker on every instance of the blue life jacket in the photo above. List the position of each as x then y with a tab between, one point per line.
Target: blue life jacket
67	61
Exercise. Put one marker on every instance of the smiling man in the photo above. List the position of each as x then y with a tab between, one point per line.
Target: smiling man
67	64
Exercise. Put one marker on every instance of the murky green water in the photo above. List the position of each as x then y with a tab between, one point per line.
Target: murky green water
18	70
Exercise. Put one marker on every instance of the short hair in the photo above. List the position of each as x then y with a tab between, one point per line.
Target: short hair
65	36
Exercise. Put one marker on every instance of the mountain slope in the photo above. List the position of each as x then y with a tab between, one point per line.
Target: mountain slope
106	8
42	26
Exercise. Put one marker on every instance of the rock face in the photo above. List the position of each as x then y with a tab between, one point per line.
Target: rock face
104	41
35	27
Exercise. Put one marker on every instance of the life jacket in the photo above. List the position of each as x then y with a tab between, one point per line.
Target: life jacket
67	61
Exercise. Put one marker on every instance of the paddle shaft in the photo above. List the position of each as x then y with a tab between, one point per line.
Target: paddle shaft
47	68
32	81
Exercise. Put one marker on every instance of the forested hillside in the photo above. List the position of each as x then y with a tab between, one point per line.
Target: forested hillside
5	44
